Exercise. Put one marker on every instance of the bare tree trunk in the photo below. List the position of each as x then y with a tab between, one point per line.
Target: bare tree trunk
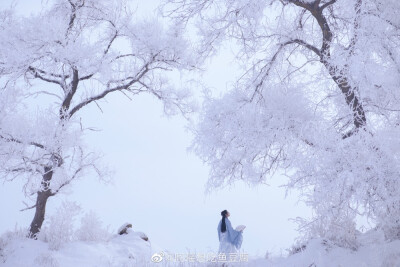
352	100
41	202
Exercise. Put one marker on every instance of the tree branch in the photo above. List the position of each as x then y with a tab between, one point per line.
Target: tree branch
49	73
12	139
316	12
111	42
86	77
301	4
328	4
73	86
74	8
356	27
306	45
28	208
141	73
105	53
35	72
280	48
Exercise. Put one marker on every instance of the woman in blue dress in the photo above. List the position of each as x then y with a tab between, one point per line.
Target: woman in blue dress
230	240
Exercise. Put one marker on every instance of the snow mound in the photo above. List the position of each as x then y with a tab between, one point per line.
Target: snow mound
373	251
119	250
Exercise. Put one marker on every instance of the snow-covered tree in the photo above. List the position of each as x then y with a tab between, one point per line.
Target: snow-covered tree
318	101
72	54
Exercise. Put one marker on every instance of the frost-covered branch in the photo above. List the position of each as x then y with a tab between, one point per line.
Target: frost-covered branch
14	140
331	2
125	86
37	74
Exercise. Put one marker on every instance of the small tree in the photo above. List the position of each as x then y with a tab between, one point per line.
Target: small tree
52	65
319	102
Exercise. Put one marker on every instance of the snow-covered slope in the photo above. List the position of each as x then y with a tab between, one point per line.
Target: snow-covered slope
386	254
131	250
119	250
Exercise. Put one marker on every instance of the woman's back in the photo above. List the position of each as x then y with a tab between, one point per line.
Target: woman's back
230	239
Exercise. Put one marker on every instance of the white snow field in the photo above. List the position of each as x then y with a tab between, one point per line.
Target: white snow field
132	250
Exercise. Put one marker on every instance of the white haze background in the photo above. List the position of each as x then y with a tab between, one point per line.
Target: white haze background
158	185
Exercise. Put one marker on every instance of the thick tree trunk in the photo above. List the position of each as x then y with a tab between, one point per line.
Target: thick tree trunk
41	201
339	75
352	100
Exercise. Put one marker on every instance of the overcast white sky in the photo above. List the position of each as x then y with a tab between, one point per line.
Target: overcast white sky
159	186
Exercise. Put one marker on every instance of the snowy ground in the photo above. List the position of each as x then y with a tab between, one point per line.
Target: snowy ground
131	250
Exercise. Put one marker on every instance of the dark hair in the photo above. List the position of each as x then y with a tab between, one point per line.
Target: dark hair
223	224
